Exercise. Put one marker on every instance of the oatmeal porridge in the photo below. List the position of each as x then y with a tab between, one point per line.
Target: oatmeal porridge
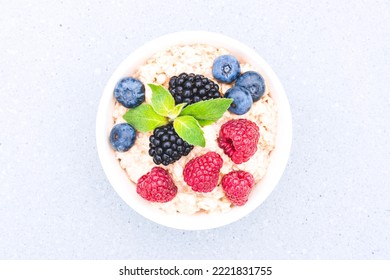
136	162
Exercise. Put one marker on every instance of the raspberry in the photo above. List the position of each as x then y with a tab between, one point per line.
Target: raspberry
238	139
237	186
202	173
156	186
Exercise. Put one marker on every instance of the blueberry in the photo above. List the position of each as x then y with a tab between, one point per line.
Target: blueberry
242	100
130	92
122	137
226	68
253	82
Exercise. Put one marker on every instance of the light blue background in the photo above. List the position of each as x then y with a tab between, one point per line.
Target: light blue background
333	201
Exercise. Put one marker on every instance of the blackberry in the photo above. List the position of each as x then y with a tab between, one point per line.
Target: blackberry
191	88
166	146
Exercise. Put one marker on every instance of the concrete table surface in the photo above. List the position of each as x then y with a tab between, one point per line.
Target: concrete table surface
333	201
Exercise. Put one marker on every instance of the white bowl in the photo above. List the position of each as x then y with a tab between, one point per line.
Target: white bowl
127	190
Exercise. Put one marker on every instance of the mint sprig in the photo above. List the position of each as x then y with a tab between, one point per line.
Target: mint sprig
206	122
162	101
188	128
176	111
208	110
187	120
143	118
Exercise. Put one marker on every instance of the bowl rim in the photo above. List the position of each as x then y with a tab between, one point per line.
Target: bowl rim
116	174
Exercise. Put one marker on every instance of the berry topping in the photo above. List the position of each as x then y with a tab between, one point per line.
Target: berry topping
191	88
252	82
242	100
202	173
238	139
122	137
156	186
226	68
237	186
130	92
166	146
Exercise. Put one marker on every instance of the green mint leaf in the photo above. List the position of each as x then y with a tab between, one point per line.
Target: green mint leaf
143	118
211	109
206	122
188	128
176	111
162	100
